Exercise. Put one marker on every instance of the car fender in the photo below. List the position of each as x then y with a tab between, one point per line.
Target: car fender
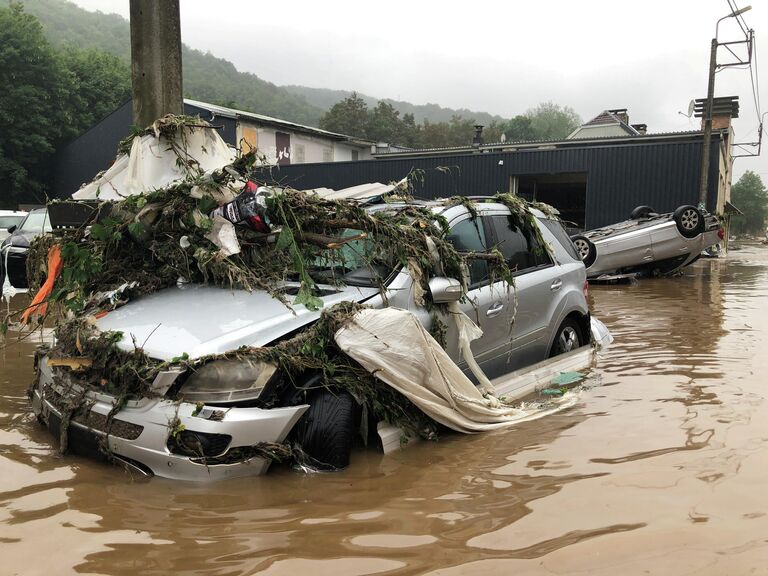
571	302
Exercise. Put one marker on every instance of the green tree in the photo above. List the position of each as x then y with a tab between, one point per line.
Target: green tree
385	124
519	129
31	118
350	116
749	195
549	121
98	83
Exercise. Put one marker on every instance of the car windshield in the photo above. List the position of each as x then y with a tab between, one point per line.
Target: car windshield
36	222
356	263
8	221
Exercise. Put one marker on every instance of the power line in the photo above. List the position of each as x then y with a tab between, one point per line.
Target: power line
739	17
755	80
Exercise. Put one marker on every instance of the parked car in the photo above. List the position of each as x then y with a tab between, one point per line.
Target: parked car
9	219
650	243
550	311
13	250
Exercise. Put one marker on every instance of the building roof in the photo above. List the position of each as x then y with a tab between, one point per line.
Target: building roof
236	114
606	118
550	144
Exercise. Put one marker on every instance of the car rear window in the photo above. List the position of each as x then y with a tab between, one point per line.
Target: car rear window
559	232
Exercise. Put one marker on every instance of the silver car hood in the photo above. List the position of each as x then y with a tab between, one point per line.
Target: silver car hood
200	320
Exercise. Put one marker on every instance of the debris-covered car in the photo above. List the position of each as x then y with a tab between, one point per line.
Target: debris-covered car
193	348
650	243
14	248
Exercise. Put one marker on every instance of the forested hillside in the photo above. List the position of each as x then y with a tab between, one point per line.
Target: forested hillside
216	80
206	77
325	98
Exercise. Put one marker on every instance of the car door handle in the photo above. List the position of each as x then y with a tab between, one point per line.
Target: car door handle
495	309
556	285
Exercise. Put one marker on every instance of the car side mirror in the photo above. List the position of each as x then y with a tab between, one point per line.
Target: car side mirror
11	229
444	290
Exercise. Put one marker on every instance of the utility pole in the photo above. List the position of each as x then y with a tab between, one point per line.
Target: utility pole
707	116
155	60
704	180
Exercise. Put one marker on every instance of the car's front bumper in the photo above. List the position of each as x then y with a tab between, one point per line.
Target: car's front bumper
139	433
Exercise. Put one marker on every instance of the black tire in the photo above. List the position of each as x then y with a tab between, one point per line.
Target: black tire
585	249
326	431
568	337
641	212
689	220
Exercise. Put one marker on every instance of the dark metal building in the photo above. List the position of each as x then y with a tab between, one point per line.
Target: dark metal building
95	149
592	182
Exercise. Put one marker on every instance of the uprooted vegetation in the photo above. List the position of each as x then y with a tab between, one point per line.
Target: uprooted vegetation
147	242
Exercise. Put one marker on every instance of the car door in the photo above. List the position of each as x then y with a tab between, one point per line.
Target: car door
488	304
538	282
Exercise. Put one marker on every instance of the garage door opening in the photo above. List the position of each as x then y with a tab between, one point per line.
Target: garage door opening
566	192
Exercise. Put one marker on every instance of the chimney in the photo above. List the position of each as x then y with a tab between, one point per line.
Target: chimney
641	128
621	114
477	139
723	109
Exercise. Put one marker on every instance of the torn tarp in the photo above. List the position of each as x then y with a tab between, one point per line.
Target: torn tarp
392	345
156	161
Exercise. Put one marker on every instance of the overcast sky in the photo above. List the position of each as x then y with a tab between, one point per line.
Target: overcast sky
649	56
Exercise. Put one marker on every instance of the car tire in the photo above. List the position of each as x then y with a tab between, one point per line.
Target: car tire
641	212
568	337
326	431
586	249
689	221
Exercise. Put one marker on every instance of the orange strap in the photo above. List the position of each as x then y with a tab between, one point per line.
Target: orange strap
39	303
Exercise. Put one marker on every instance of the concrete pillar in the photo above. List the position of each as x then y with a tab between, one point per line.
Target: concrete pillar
155	60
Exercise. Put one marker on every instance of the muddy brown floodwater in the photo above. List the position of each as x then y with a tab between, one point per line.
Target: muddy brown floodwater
661	468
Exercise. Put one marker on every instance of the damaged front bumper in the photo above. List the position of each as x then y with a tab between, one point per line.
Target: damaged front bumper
145	434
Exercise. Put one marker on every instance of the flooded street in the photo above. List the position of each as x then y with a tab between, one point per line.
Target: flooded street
660	468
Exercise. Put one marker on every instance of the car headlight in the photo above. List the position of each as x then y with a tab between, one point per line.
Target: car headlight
227	381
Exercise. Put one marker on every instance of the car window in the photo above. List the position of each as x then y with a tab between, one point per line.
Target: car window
520	248
8	221
36	222
469	236
559	232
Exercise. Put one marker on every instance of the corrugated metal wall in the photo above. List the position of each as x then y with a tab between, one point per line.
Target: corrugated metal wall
662	174
95	150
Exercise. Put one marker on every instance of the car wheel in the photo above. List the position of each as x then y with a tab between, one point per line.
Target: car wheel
690	222
567	338
327	429
641	212
586	249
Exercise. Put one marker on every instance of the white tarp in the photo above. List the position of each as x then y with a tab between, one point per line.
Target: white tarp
393	345
359	192
154	163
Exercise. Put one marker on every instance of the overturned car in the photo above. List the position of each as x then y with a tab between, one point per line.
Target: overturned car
649	243
193	344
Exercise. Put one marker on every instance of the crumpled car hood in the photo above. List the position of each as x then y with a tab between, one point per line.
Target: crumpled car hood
201	320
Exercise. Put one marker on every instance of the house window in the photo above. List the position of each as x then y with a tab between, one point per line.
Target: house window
327	154
355	155
298	154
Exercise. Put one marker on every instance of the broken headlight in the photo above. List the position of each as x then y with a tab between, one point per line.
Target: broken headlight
227	381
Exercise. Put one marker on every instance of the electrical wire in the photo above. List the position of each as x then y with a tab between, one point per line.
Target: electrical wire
739	18
755	80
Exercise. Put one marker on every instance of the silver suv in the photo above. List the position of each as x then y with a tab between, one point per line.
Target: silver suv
544	314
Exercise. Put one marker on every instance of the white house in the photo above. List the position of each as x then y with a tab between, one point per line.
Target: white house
283	142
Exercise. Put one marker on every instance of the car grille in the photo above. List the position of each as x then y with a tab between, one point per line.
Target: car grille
191	443
97	422
17	269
